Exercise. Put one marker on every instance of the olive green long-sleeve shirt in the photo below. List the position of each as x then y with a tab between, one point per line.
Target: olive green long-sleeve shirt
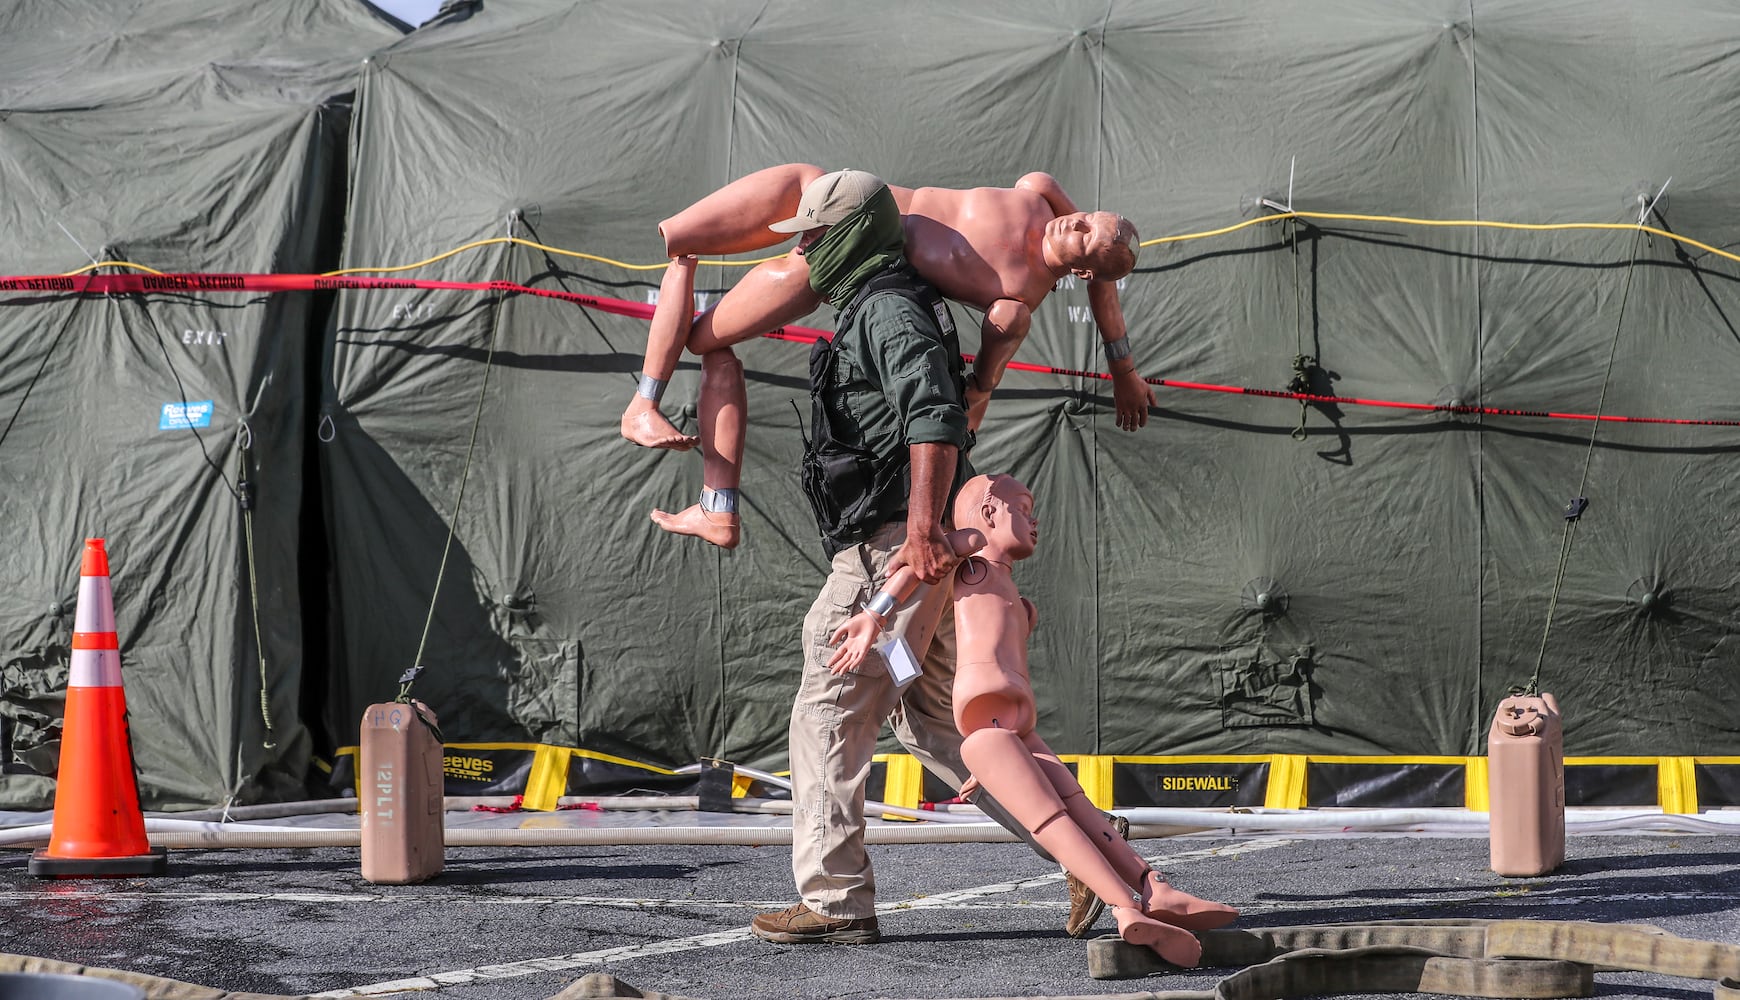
892	386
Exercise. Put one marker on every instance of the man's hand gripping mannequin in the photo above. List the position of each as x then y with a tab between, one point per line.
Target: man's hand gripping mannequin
1001	250
995	712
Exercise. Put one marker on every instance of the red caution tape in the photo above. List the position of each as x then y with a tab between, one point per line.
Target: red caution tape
104	284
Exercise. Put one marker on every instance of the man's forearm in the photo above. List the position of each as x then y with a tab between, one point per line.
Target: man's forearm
933	472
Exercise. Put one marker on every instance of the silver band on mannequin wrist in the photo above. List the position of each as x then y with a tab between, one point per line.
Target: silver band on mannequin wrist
1117	350
882	605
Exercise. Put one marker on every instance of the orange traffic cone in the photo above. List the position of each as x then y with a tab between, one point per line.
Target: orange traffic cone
98	828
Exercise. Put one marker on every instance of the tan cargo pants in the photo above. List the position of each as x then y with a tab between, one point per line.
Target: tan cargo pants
835	722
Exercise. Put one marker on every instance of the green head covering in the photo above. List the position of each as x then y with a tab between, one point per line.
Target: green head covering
856	247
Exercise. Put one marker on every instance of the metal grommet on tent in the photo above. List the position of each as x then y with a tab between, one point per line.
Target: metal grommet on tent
1649	596
1454	400
1265	596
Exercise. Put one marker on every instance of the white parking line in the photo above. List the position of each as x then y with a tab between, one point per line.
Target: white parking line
961	898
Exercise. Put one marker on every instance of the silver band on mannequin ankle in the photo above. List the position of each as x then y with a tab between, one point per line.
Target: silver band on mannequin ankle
651	388
718	501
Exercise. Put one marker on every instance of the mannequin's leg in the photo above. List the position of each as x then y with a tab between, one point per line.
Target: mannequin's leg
1003	765
672	319
1159	899
734	219
768	297
724	399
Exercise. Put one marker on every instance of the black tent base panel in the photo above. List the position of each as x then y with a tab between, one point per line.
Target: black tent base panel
152	862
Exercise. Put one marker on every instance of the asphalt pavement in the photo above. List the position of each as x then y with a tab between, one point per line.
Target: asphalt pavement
958	920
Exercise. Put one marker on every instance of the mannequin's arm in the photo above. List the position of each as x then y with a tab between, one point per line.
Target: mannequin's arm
860	631
1131	396
1005	327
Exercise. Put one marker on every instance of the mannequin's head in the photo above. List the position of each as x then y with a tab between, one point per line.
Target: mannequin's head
1002	508
1095	246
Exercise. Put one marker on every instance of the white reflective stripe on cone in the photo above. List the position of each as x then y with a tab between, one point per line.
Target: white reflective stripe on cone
95	668
96	606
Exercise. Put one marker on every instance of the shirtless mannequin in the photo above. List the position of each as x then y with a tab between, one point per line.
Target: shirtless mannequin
1002	250
994	709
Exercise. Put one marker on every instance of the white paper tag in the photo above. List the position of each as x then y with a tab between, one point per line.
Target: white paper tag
902	665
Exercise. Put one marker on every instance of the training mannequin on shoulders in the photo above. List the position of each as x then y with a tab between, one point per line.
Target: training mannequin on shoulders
995	711
1000	250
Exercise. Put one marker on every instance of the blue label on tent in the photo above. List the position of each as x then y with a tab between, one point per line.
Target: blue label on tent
181	416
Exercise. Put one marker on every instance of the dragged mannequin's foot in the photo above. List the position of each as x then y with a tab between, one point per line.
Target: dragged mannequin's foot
1180	909
643	424
1174	944
722	530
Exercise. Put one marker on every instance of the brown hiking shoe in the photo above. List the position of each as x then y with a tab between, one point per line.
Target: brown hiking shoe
1084	906
801	925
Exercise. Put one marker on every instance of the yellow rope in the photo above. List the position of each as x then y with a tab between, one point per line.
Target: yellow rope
1477	223
110	263
1180	238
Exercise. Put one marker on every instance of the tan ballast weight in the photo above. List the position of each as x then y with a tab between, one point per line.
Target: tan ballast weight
1526	780
399	791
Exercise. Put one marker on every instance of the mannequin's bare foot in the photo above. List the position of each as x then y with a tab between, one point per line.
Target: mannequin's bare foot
1174	944
643	424
1180	909
722	530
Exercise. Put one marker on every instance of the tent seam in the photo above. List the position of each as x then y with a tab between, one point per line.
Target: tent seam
719	736
1480	388
1099	195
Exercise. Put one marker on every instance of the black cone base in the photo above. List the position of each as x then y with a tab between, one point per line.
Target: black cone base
153	862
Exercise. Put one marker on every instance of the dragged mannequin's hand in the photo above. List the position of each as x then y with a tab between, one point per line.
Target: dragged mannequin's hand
854	639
